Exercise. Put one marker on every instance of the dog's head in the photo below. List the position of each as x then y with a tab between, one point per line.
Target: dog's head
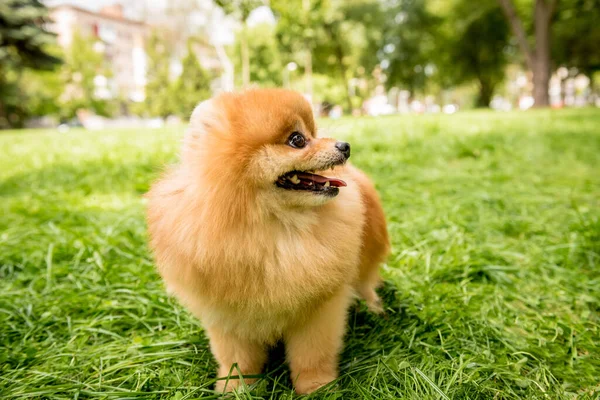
265	140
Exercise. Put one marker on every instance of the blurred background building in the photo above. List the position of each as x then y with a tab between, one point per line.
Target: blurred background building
121	40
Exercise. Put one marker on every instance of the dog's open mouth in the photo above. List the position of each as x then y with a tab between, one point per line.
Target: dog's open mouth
299	180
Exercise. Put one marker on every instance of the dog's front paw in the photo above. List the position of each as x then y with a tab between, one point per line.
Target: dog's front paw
234	383
309	382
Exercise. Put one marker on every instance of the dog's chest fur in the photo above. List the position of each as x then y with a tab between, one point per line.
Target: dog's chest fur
262	278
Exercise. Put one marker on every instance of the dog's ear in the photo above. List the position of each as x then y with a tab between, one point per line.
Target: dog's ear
206	117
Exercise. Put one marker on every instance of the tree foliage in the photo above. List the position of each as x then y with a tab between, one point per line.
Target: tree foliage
477	43
84	65
297	23
266	66
335	38
241	10
166	96
40	92
192	86
24	43
158	102
410	44
23	38
576	32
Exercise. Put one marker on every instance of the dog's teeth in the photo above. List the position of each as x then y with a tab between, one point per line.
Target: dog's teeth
295	179
310	183
326	184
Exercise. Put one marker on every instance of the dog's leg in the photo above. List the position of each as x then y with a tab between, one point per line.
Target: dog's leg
228	349
370	280
313	346
376	244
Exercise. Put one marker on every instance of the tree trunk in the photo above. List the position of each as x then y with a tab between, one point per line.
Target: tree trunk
484	98
592	96
541	63
537	59
245	55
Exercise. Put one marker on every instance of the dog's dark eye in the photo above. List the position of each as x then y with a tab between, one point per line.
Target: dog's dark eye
296	140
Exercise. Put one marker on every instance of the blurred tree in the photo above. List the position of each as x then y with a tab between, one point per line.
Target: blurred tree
241	10
83	69
342	43
23	44
266	67
332	50
537	52
328	90
23	38
477	38
410	44
192	86
368	18
41	91
576	36
194	19
158	87
298	22
333	37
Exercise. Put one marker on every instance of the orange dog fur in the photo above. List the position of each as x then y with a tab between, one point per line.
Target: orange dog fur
257	262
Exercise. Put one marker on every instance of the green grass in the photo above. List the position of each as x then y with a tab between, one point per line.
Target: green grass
492	290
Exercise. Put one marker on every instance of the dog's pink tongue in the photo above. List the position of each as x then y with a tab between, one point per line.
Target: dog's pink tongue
321	179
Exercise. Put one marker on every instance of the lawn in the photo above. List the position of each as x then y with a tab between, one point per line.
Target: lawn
492	290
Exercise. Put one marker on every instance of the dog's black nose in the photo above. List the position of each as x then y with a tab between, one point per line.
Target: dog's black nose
344	148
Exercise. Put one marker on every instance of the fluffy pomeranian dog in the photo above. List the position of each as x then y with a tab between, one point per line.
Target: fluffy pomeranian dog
265	233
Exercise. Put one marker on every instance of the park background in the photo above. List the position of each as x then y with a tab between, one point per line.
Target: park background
141	60
478	121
